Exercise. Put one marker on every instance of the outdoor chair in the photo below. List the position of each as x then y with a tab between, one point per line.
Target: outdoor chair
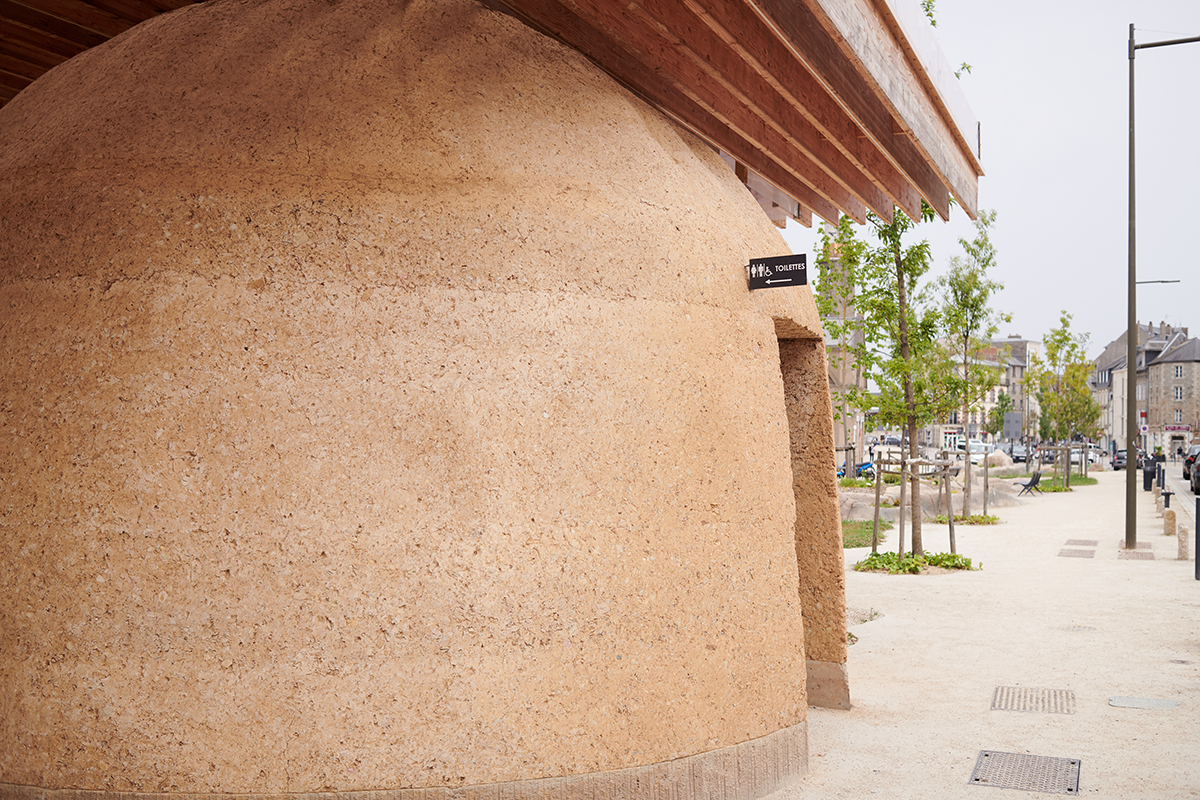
1030	486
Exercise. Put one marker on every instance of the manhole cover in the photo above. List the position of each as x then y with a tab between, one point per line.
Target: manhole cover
1077	553
1084	542
1135	555
1024	698
1143	702
1027	773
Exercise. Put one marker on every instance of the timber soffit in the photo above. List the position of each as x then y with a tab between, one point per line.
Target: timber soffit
38	35
832	104
827	100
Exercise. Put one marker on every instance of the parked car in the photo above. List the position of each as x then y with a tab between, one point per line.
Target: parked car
979	451
1018	453
1195	481
1118	460
1189	460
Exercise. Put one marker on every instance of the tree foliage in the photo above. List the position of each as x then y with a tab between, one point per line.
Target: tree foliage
995	419
968	317
1060	382
902	327
970	322
839	274
895	334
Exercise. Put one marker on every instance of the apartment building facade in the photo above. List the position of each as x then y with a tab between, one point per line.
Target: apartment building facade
1167	389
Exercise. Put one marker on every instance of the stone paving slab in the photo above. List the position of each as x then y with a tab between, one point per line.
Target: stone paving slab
923	675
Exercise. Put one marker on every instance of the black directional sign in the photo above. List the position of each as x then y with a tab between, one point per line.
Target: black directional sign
772	273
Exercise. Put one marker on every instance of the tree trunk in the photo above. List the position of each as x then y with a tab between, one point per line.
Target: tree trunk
987	474
915	495
966	423
875	529
900	543
909	403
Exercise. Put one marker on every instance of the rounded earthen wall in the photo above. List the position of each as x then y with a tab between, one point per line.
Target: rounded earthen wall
381	407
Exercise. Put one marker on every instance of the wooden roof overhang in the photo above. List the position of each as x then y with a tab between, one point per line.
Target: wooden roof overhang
820	106
823	106
37	35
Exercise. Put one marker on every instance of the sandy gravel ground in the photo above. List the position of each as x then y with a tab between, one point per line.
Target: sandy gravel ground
924	671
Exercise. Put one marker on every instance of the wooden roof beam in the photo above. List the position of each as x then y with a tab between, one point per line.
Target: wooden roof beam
50	25
11	32
763	51
649	44
80	14
11	84
871	35
723	66
813	44
566	25
19	48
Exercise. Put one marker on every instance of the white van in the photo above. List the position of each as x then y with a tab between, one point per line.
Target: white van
979	451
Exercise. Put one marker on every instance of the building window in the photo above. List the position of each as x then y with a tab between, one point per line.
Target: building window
1178	415
1178	392
953	417
1179	370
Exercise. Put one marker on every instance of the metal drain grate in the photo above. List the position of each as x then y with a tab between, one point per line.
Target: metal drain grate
1027	773
1024	698
1077	553
1083	542
1135	555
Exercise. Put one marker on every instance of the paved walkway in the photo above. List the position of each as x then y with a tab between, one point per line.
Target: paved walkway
1055	607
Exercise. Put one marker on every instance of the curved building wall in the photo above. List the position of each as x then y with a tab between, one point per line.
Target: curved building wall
382	407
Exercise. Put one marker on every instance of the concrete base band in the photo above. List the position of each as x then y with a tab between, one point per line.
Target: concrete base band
745	771
828	685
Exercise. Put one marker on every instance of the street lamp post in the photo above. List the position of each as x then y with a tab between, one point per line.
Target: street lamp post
1131	333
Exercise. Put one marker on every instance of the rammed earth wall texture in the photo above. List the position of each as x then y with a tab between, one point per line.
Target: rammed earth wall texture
382	406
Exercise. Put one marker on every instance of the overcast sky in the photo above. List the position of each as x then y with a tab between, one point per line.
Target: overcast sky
1050	85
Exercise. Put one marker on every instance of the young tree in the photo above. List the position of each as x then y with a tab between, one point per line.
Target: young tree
995	420
900	346
1060	381
838	269
971	323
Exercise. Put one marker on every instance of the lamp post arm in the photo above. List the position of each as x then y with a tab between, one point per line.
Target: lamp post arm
1164	43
